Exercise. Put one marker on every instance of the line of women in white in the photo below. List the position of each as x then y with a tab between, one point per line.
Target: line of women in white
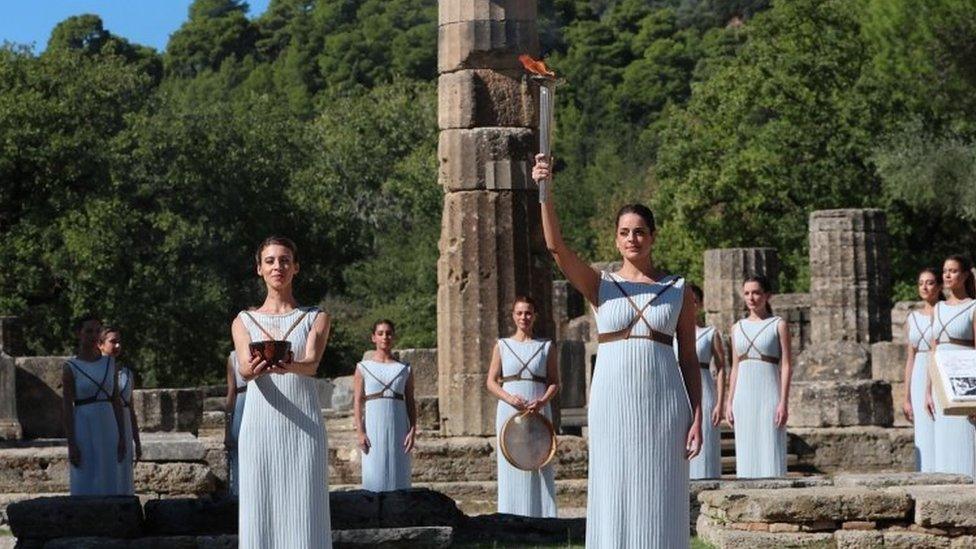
943	444
99	422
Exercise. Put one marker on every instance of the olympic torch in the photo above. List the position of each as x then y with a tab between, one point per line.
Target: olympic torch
546	80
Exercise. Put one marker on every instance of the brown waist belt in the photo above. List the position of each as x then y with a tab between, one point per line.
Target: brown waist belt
764	358
962	342
90	400
535	378
625	334
374	396
704	365
240	390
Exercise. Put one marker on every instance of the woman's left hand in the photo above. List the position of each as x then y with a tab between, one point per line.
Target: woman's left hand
782	414
716	415
694	441
409	440
534	405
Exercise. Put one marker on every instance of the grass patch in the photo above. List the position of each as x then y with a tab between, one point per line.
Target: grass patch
696	543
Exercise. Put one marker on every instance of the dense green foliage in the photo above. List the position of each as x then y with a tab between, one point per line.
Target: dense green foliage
135	183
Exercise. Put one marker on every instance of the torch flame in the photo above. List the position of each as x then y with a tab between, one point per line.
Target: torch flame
536	66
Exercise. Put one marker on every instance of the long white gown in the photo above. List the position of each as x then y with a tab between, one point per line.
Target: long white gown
760	446
284	491
387	466
920	338
526	493
126	481
639	416
233	461
96	431
708	463
955	440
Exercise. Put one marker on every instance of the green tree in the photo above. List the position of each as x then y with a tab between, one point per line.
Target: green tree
216	30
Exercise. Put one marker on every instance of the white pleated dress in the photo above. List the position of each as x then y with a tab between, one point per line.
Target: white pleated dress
96	432
126	484
954	435
387	466
233	462
639	415
760	446
284	492
920	338
708	463
526	493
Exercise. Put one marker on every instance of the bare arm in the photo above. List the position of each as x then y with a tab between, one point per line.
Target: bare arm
688	359
248	366
68	412
718	355
785	372
583	277
411	403
552	375
359	409
733	376
493	385
117	410
909	368
133	421
318	337
230	403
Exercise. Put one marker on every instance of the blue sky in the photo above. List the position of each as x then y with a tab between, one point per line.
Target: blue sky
147	22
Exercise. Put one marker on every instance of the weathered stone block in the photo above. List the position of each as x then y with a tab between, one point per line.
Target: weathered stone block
726	538
572	374
455	11
428	414
888	361
486	159
840	403
487	98
898	393
423	362
725	271
899	315
858	539
833	361
886	480
949	508
521	531
839	449
191	516
913	540
168	409
806	505
795	310
850	276
418	536
174	478
9	424
342	393
75	516
38	382
38	470
172	447
490	251
567	304
485	44
582	328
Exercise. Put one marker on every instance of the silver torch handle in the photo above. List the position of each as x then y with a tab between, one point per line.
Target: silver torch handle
547	104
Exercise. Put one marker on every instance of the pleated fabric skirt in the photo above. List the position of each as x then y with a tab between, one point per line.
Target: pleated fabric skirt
955	438
924	424
760	447
639	416
97	437
526	493
708	463
386	467
284	493
233	461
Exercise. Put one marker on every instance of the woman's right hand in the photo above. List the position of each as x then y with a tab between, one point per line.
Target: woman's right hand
257	366
74	454
542	170
929	405
516	402
729	416
906	408
364	443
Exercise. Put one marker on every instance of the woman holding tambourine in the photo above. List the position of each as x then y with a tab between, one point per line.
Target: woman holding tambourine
524	376
644	425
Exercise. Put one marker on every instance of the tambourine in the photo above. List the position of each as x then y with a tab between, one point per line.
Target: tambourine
528	441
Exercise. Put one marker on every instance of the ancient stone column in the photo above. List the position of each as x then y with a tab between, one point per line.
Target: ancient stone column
850	276
491	246
725	271
11	344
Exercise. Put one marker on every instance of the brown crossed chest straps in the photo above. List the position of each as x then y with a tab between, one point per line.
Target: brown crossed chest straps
100	385
627	331
706	332
287	333
752	344
923	339
382	393
944	326
241	389
517	376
